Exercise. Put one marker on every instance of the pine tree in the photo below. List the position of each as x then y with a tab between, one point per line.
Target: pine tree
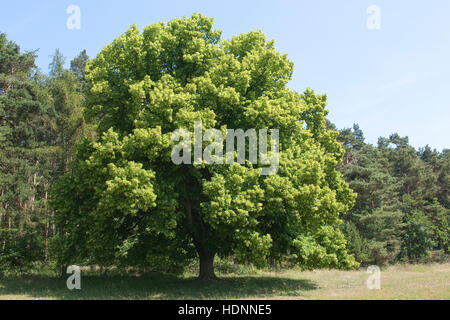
24	130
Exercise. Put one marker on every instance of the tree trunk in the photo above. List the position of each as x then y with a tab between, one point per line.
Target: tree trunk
46	229
46	240
63	270
9	227
205	254
206	267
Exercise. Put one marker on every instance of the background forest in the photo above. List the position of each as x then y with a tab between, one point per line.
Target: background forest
401	213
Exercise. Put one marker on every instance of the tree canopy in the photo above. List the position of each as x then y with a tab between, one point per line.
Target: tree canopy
124	201
87	174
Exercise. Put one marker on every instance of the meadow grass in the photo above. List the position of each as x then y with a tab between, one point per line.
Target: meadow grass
430	281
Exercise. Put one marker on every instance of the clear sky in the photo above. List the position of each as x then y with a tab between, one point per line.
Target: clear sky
392	79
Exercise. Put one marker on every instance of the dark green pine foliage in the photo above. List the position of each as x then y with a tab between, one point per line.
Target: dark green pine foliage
375	222
401	212
40	120
24	130
78	65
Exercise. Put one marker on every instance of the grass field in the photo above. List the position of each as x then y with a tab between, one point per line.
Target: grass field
397	282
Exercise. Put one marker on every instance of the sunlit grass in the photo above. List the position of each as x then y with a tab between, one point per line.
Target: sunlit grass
397	282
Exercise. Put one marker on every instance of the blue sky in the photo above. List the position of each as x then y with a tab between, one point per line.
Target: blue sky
395	79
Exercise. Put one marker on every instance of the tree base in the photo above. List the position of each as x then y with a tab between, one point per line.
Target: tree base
206	272
207	278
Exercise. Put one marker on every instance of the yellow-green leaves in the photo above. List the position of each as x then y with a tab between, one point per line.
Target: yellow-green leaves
324	248
129	191
144	86
235	198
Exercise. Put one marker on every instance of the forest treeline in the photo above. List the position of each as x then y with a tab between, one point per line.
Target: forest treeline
401	212
40	121
402	208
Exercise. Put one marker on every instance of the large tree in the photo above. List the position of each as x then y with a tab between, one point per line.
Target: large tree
124	200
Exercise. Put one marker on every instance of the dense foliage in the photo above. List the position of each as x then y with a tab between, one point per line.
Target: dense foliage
125	198
107	192
40	120
402	209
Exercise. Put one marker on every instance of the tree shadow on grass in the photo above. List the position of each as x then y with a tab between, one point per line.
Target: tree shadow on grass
153	286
